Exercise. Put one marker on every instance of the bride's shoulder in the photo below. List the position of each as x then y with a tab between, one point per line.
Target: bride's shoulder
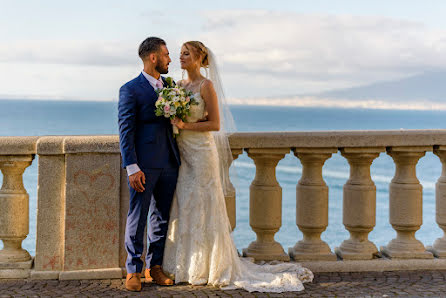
206	84
207	88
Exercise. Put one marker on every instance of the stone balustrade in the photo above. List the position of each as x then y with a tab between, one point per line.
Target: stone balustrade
16	154
82	201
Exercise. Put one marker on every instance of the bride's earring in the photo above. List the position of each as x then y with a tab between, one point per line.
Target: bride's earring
182	74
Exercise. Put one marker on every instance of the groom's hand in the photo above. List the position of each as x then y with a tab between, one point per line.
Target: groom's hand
137	181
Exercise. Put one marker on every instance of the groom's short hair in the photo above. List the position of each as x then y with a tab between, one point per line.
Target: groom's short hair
150	45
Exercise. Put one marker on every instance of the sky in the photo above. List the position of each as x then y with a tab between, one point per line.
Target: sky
85	50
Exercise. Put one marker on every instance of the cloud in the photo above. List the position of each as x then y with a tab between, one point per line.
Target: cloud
279	43
70	52
292	47
260	53
53	81
163	17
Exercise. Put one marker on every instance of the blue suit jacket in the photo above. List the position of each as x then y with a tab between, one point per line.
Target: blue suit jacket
144	138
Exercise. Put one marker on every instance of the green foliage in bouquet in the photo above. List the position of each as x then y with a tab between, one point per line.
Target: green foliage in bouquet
174	101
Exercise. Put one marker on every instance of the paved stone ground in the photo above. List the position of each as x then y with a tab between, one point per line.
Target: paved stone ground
364	284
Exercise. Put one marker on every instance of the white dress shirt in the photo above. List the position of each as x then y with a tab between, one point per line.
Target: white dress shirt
134	168
152	80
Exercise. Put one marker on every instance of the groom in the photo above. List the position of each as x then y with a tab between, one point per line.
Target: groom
151	158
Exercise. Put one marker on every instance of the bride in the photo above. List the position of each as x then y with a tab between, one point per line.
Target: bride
199	247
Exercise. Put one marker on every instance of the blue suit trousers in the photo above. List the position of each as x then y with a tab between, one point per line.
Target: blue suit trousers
154	203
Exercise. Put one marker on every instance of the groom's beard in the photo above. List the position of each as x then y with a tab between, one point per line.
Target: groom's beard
161	68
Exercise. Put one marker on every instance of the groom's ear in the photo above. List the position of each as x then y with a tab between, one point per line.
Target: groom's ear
152	57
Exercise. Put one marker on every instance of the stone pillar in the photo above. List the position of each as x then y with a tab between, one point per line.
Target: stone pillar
359	205
50	208
78	220
92	210
14	208
265	205
231	195
439	247
312	206
406	204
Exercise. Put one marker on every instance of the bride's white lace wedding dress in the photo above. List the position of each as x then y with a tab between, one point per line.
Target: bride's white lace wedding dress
199	247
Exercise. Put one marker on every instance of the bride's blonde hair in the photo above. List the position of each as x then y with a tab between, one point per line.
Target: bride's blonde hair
200	50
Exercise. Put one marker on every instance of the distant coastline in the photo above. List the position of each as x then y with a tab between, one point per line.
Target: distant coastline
294	102
318	102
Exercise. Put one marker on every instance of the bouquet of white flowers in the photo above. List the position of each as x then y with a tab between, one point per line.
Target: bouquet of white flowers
174	101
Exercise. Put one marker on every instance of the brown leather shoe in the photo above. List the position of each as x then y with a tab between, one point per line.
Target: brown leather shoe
156	272
147	275
133	282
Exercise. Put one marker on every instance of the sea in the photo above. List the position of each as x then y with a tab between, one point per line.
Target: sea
40	117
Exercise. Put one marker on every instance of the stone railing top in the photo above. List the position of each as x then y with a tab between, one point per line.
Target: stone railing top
101	144
18	145
338	139
48	145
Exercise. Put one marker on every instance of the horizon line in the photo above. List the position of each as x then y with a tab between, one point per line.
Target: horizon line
295	102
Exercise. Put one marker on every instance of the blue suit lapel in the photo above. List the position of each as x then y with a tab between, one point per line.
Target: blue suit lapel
164	81
146	85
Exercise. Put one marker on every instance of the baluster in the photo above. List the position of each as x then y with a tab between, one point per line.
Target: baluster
14	208
265	205
406	204
359	204
439	247
231	195
312	205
